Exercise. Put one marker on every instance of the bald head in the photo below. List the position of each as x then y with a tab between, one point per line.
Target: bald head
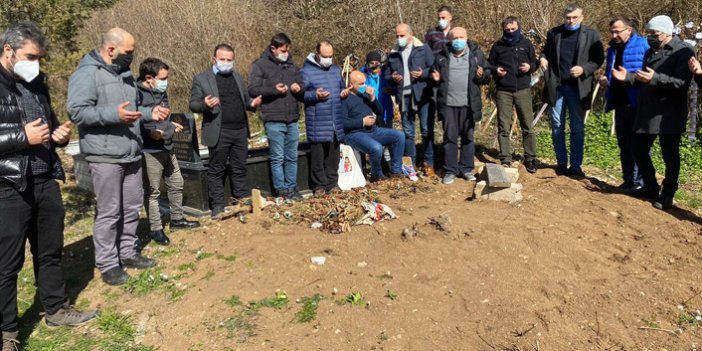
403	33
116	36
356	79
458	33
116	41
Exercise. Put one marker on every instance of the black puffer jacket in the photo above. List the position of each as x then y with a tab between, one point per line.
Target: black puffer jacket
266	73
13	140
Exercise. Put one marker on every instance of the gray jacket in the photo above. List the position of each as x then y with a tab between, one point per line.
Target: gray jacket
205	84
94	92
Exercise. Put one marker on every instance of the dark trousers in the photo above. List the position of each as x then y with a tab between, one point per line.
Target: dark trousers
624	128
232	146
521	100
670	148
325	164
458	122
35	214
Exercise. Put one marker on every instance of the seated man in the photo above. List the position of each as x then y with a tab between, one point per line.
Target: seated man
359	113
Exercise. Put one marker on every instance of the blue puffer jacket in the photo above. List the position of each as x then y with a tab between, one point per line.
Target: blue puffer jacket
322	118
633	58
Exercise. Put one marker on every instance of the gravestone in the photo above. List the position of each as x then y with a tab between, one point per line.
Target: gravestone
185	145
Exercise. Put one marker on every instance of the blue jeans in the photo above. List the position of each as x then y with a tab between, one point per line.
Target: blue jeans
283	139
568	96
372	142
426	126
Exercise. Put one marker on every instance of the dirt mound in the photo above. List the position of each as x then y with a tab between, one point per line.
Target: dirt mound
574	266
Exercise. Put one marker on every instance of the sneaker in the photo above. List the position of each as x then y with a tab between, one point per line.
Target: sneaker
334	190
645	193
220	212
114	276
469	176
531	166
397	175
576	173
428	170
626	186
448	178
319	192
562	170
69	316
295	195
664	203
138	262
159	237
9	341
183	224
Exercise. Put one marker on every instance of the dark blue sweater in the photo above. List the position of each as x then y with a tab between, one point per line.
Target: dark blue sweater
355	108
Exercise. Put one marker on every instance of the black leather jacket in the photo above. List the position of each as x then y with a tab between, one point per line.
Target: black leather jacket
13	140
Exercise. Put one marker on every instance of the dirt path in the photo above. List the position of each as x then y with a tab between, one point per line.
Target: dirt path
571	267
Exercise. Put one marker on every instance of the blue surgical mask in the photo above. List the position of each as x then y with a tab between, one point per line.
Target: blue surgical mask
362	89
572	27
161	85
224	67
402	42
458	45
443	24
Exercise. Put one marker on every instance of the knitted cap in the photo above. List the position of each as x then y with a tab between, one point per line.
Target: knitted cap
662	24
373	56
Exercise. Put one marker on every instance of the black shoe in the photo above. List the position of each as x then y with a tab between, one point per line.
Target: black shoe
183	224
530	165
663	203
295	195
219	212
159	237
115	276
376	179
319	192
138	262
626	186
576	173
646	193
562	170
397	175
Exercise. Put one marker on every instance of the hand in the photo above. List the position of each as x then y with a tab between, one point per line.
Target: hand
37	132
479	72
543	62
256	102
695	66
62	134
576	71
416	74
604	82
281	88
211	101
157	134
371	92
524	67
160	113
345	93
368	121
178	127
645	76
295	88
619	73
435	75
322	94
127	117
501	72
397	77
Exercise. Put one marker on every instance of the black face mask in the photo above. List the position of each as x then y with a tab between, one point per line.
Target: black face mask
123	61
654	42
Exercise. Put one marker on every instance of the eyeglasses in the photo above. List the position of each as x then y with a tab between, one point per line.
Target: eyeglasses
617	32
572	18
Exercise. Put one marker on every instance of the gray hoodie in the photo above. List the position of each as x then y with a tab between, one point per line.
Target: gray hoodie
94	92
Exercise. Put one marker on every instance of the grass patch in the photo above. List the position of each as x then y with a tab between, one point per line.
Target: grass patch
242	324
208	275
279	301
686	319
355	299
187	266
233	301
153	279
308	312
230	258
391	295
201	255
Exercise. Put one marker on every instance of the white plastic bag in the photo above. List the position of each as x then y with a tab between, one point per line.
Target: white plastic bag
350	173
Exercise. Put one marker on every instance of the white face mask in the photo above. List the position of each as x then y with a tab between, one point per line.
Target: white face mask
282	57
27	70
325	62
161	85
224	67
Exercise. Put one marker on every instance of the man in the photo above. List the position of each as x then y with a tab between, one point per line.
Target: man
359	112
438	37
662	110
102	102
409	65
459	71
159	160
515	60
375	73
30	199
219	93
696	69
324	90
275	78
572	54
626	49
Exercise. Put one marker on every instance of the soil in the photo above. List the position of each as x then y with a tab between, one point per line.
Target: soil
574	266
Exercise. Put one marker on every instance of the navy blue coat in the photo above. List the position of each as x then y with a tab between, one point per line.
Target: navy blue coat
355	108
322	118
421	57
633	58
